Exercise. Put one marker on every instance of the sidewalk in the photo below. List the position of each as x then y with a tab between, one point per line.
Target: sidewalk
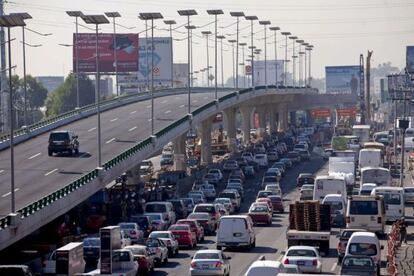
405	257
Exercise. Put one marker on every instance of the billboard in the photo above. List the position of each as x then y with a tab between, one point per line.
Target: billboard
259	72
343	79
126	52
410	59
346	112
321	113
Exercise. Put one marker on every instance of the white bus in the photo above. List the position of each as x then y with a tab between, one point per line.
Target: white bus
393	200
377	175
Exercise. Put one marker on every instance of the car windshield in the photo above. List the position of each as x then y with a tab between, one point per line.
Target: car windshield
361	262
259	208
127	226
259	157
160	235
270	178
138	250
146	163
204	208
409	190
368	249
222	200
154	216
179	227
92	242
206	256
152	243
301	253
228	195
391	199
363	207
335	205
59	136
198	216
347	234
120	256
155	208
264	194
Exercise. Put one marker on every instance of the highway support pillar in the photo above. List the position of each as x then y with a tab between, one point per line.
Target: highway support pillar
230	114
180	156
246	112
206	156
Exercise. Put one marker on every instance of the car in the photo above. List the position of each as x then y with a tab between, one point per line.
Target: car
184	235
179	208
205	220
237	173
294	157
264	267
208	190
277	203
212	178
343	237
91	249
236	186
249	171
210	262
15	270
304	155
197	183
125	240
264	194
359	265
305	178
274	188
211	209
287	162
281	166
158	221
242	162
63	141
248	156
259	148
144	223
230	165
409	195
188	203
226	203
235	231
260	213
144	256
159	249
167	159
307	258
169	240
49	263
272	156
164	207
217	172
261	159
265	201
195	227
132	231
223	210
146	166
301	146
197	196
366	244
234	197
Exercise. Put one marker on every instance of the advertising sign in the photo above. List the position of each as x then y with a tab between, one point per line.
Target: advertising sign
126	52
321	113
410	59
259	72
346	112
342	79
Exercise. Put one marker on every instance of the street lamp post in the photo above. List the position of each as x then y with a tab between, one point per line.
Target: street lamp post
221	37
188	13
215	13
170	23
251	63
151	16
305	63
265	23
232	41
10	21
286	34
300	41
251	18
293	38
191	28
309	48
207	33
237	15
275	29
114	15
243	64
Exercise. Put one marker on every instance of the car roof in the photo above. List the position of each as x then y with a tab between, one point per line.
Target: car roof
60	131
302	247
266	263
363	234
208	251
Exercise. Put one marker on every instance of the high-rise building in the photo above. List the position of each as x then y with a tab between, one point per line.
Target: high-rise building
50	82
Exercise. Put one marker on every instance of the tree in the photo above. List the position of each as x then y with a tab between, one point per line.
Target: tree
63	99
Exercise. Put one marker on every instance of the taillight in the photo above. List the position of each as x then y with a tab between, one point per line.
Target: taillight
193	264
315	262
348	219
286	261
379	220
219	264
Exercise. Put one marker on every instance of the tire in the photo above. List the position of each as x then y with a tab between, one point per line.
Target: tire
254	244
77	151
165	260
218	247
202	239
176	251
50	153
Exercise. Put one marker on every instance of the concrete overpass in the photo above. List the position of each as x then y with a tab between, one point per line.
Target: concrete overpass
50	186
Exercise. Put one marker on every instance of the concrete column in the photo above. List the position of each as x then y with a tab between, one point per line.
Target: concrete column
180	155
272	120
292	121
309	119
246	111
262	120
206	157
133	177
283	118
231	128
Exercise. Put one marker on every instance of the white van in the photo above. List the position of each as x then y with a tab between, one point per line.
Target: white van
235	231
261	160
370	158
329	184
366	212
164	207
365	244
338	208
367	188
377	175
393	200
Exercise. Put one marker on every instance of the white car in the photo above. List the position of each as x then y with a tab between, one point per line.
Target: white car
125	240
307	258
210	262
197	196
226	202
264	268
132	231
261	160
169	240
274	188
217	172
208	190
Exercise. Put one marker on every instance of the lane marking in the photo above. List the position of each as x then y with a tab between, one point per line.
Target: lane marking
168	111
181	106
195	101
114	119
110	141
92	129
205	98
1	171
132	128
9	193
149	120
133	112
148	106
52	171
164	101
34	156
333	266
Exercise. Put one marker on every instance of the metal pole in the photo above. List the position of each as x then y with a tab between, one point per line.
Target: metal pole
208	64
265	56
24	77
215	56
294	65
116	61
276	59
251	32
285	67
306	69
244	69
310	60
98	99
188	64
172	59
152	76
222	64
237	54
146	51
77	64
234	69
11	128
191	58
395	133
403	141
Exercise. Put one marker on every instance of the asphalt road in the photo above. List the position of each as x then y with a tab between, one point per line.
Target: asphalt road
37	174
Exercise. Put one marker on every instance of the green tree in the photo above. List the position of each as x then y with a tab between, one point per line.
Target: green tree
63	99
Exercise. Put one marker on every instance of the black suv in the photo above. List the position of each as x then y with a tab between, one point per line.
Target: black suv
63	141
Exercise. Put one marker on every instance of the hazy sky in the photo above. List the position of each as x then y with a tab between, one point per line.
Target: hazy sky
339	30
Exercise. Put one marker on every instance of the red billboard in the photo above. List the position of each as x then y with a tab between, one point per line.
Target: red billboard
346	112
126	52
321	113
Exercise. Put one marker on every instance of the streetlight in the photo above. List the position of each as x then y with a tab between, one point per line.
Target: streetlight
265	23
232	41
309	48
221	37
237	15
286	34
191	28
293	60
252	18
114	15
188	13
151	16
275	29
76	14
300	41
215	13
170	23
251	63
305	63
10	21
97	20
244	68
207	33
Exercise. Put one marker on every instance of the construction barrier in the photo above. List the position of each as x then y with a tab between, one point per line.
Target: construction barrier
393	243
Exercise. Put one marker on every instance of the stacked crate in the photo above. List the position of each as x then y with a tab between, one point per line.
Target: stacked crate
305	216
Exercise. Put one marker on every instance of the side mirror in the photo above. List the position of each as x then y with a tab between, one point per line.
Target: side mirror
382	247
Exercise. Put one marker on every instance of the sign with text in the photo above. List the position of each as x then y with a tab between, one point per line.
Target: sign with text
343	79
321	113
346	112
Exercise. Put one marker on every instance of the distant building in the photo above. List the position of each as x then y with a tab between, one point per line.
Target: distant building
50	82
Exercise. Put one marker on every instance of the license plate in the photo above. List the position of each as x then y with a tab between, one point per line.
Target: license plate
205	266
237	234
300	263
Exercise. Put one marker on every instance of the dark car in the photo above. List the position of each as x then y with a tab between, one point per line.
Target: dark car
179	208
359	265
249	171
305	178
144	223
15	270
63	141
91	249
287	162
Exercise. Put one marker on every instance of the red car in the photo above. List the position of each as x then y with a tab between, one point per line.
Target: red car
260	213
267	201
183	235
277	203
195	227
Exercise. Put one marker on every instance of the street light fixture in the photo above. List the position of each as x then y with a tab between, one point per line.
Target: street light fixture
170	23
237	15
252	18
285	67
265	23
97	20
188	13
10	21
232	41
114	15
221	37
151	16
207	33
293	38
244	68
76	14
275	29
215	13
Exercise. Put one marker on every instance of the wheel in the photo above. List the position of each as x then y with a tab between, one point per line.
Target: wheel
254	243
165	260
77	151
176	252
49	152
218	247
202	238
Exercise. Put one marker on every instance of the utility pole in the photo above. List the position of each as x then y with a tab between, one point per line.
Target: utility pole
368	95
4	115
361	89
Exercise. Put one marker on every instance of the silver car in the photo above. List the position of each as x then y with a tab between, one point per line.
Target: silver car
210	262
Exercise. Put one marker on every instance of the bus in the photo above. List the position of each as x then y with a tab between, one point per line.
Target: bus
393	200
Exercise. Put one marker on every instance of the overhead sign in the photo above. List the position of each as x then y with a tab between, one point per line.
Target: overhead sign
343	79
321	113
346	112
410	59
259	72
126	52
